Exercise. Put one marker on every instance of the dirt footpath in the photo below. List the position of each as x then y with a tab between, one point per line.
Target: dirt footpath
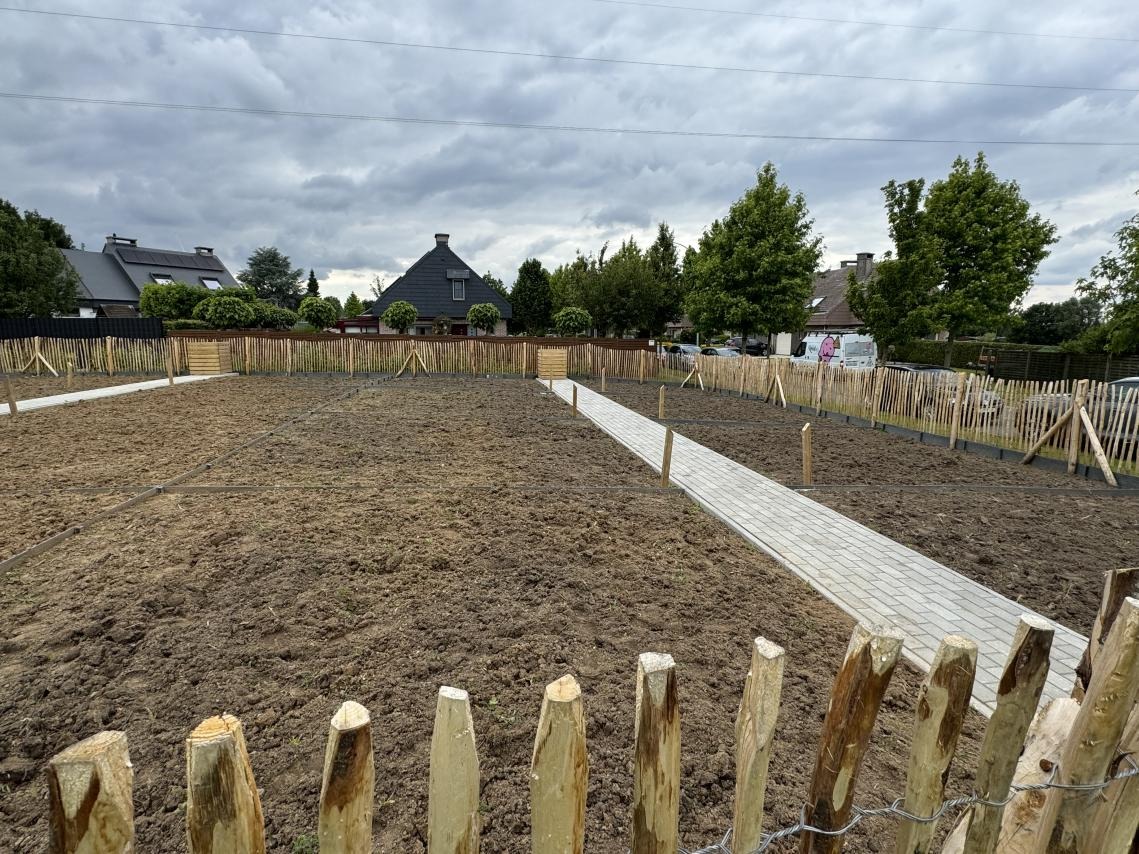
279	605
1048	551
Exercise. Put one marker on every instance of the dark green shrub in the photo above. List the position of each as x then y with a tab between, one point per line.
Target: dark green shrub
175	301
225	312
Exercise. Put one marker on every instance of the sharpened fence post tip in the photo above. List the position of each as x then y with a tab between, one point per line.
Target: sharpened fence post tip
89	795
559	771
348	785
656	756
223	807
453	785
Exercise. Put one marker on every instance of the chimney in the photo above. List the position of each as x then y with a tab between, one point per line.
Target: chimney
441	239
114	240
204	250
865	264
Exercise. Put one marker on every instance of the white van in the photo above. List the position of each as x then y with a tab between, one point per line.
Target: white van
844	349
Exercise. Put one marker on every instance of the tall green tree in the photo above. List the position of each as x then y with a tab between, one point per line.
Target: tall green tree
987	243
352	306
400	316
531	298
895	302
754	270
497	285
1053	323
51	231
484	316
270	273
318	313
35	280
665	267
1114	280
313	287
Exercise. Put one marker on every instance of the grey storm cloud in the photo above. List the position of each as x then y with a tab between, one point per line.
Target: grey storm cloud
359	198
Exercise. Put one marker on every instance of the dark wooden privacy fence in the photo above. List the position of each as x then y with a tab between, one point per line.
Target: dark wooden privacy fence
81	327
1082	803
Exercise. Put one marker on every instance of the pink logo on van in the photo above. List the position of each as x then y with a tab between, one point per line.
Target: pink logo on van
826	349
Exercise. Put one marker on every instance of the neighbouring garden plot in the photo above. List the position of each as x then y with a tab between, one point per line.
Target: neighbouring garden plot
1048	551
278	605
443	433
27	517
148	437
28	386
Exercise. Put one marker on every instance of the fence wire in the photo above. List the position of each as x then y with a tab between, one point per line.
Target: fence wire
895	810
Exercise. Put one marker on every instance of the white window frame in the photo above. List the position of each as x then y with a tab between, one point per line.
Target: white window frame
162	278
216	286
458	290
815	303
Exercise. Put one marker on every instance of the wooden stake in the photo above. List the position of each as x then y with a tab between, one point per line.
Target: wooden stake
806	431
223	809
407	362
1047	437
13	409
422	363
1097	448
782	396
642	380
70	368
348	786
1017	696
551	383
656	757
559	772
1117	818
1074	433
110	357
666	461
289	357
248	355
453	790
1068	818
755	731
573	405
958	406
743	372
876	403
941	708
660	404
1118	584
603	379
89	793
169	367
856	695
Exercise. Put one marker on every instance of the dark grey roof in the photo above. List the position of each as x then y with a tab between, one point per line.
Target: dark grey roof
830	286
426	286
140	262
101	279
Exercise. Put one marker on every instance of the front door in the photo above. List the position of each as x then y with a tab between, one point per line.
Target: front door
458	329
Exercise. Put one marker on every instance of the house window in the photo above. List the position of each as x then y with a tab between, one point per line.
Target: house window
162	278
458	290
421	330
212	284
815	303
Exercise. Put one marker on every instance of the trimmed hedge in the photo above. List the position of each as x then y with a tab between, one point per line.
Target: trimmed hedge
965	353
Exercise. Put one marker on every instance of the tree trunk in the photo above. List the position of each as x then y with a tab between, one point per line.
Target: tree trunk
949	348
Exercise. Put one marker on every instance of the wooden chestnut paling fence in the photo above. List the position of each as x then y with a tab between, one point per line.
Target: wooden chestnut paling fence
1082	804
1010	414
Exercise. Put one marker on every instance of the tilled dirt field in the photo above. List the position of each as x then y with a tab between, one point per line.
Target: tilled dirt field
27	517
278	605
1048	551
28	386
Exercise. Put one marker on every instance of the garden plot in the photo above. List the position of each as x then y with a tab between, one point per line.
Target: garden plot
1045	549
278	605
29	386
27	517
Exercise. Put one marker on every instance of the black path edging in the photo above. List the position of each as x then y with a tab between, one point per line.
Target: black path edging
994	452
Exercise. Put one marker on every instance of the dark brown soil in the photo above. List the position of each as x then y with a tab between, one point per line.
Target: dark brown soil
1048	551
26	518
28	386
279	605
149	437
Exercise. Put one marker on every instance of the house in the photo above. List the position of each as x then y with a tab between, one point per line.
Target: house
830	312
440	284
111	281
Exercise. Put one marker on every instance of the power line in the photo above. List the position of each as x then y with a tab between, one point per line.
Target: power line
472	123
863	23
569	57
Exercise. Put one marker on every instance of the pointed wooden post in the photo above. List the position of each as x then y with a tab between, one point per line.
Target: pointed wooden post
1117	819
289	357
656	757
642	381
1074	429
807	473
958	406
857	692
248	355
110	357
559	772
942	705
13	409
876	402
1118	584
666	461
453	789
348	786
1068	818
660	404
223	809
573	405
1018	694
89	793
755	731
70	369
1097	448
603	379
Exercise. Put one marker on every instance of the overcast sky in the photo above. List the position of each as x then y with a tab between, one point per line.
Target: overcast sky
355	199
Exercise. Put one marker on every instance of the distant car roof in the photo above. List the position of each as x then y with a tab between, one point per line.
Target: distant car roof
1125	380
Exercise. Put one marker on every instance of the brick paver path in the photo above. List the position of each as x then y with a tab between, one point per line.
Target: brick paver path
871	577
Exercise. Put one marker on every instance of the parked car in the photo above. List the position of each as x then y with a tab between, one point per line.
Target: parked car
991	403
721	351
755	346
844	349
678	354
1047	408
